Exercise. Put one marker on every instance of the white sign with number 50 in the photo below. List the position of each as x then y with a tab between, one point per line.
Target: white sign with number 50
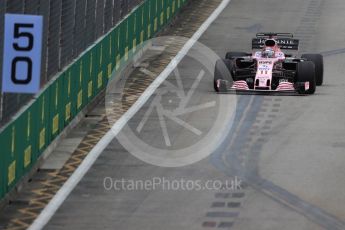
22	53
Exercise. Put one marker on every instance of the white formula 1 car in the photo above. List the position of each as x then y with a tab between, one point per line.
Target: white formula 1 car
268	69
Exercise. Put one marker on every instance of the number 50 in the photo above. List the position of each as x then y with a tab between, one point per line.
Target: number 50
20	36
22	56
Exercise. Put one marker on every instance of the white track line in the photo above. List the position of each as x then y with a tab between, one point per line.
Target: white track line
48	212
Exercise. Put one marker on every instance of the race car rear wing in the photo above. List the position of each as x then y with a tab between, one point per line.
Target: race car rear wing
274	35
287	43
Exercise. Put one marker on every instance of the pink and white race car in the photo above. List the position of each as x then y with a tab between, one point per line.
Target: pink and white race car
268	69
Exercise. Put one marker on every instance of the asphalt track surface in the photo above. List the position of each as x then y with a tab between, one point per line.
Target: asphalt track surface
289	151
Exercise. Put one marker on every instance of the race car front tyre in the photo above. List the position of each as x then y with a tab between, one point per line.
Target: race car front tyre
317	59
222	73
306	73
230	55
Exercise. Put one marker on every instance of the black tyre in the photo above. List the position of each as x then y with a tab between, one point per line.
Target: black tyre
222	72
306	73
230	55
317	59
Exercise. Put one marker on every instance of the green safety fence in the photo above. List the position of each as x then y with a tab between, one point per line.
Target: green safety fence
86	70
80	94
56	107
3	152
147	21
68	97
8	157
25	138
108	56
99	76
117	45
42	120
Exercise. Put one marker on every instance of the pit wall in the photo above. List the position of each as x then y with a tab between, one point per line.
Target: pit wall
26	137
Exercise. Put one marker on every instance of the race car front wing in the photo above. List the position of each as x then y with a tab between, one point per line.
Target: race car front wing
242	87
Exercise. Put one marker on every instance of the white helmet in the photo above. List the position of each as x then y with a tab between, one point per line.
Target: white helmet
268	53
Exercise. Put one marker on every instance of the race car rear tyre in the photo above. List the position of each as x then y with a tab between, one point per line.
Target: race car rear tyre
306	73
221	72
318	61
230	55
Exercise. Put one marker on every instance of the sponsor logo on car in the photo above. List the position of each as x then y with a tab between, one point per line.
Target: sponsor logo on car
279	41
264	68
265	62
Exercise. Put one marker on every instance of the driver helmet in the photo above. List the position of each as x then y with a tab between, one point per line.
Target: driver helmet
268	52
